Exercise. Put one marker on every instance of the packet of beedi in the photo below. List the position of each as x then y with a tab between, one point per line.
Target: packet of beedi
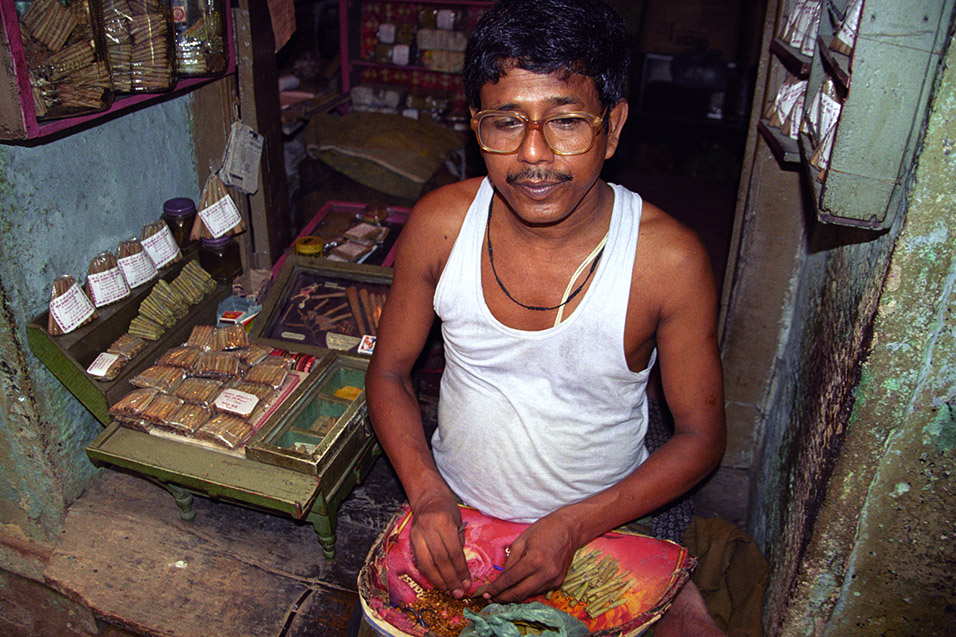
69	306
105	282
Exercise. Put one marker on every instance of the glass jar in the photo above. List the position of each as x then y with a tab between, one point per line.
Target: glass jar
139	40
180	214
220	258
200	28
66	57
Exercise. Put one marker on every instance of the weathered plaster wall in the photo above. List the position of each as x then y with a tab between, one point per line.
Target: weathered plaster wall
840	284
61	203
881	558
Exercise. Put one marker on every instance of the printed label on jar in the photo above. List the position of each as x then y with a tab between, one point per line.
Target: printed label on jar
161	247
101	364
221	217
107	287
137	268
71	308
236	402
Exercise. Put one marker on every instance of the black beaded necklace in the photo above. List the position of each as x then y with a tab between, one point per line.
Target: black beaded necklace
536	308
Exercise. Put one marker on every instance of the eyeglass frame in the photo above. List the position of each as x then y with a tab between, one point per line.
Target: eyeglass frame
536	124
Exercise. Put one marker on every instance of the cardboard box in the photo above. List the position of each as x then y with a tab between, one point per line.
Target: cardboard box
672	28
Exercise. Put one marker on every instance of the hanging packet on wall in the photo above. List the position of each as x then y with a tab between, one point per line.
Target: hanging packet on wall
240	162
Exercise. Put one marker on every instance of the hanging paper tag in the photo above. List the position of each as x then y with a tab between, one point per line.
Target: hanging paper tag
107	287
240	164
236	402
221	217
161	246
137	268
71	308
101	364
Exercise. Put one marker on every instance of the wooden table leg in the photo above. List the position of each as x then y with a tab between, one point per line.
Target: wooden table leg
323	521
184	499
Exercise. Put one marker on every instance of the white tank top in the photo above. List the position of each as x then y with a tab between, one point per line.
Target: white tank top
529	421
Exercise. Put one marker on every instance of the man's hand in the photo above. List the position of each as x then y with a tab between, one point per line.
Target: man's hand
437	538
537	562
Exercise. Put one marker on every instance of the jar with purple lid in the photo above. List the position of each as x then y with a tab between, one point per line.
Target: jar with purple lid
220	258
179	214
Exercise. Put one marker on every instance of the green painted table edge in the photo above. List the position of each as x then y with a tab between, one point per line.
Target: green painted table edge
219	475
240	480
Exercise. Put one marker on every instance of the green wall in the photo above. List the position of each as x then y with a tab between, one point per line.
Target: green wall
62	202
853	495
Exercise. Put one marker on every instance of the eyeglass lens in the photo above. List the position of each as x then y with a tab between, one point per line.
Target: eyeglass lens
570	133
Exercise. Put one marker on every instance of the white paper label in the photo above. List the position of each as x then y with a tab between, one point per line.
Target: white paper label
401	54
829	116
161	247
809	43
236	402
445	19
793	130
851	25
71	308
221	217
137	268
101	364
829	113
788	97
386	33
107	287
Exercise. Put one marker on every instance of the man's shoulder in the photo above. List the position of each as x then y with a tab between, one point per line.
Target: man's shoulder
667	249
433	226
446	205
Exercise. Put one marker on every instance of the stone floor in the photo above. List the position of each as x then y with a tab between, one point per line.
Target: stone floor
126	554
127	564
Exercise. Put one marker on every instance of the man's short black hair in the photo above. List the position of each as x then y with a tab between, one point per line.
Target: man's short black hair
543	36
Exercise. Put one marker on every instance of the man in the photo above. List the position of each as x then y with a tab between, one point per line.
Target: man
553	312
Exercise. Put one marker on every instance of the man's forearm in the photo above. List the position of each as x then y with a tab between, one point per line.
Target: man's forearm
396	418
668	473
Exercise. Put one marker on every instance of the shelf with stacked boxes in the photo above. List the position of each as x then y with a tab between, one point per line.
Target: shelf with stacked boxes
22	116
406	57
848	82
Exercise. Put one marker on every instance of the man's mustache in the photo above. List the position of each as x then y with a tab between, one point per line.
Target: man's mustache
537	174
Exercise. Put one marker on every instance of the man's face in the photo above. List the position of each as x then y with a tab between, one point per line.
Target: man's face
541	186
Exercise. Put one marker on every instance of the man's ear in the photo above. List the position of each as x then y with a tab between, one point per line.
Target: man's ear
617	117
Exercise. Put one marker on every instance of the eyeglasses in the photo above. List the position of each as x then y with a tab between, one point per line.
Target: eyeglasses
503	132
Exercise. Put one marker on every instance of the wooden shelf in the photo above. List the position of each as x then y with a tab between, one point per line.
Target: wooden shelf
29	128
399	67
785	150
838	65
350	20
793	60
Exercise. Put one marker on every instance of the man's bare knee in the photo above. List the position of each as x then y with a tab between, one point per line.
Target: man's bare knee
688	617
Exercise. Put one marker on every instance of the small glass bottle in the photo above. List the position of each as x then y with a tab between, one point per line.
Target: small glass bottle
179	214
200	28
220	258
